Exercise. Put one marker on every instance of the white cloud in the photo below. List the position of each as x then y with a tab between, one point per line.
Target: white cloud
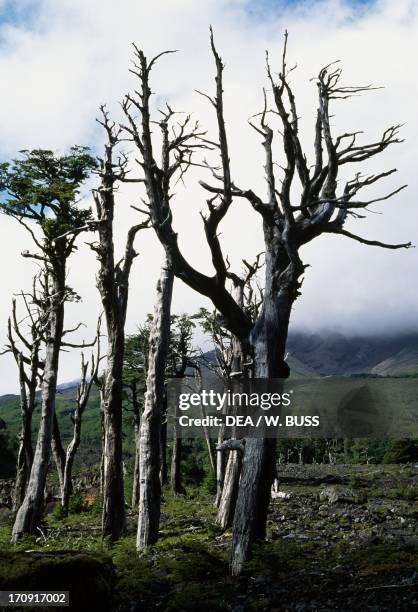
74	55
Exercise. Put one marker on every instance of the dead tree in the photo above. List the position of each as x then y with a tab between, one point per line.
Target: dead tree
87	379
134	375
181	356
137	426
26	349
249	299
199	387
113	286
58	451
287	226
176	159
221	338
42	195
163	440
135	485
231	364
150	432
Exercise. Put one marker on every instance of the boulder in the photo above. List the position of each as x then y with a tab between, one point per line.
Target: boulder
335	494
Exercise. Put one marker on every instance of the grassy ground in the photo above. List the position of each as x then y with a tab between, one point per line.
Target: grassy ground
319	555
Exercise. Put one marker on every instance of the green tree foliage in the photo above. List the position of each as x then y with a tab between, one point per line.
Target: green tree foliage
401	451
44	187
347	450
180	351
136	362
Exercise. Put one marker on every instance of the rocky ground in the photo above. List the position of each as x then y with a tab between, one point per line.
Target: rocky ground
339	538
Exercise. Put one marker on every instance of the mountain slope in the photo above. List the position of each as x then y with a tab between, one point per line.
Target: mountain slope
403	363
336	354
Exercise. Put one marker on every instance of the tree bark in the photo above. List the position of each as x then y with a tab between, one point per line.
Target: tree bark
163	452
58	453
102	439
175	473
28	515
25	451
211	454
114	515
83	394
229	493
135	483
268	340
67	487
149	446
220	467
22	474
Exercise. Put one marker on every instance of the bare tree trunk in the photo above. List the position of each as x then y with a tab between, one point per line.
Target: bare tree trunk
102	438
114	515
135	484
28	515
229	494
22	475
113	285
25	451
83	394
149	449
198	380
258	467
58	452
228	497
163	452
253	499
175	475
137	424
220	467
67	487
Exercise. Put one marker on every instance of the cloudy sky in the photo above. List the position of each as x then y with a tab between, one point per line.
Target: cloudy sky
61	59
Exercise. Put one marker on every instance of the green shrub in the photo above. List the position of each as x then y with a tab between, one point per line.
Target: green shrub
404	491
208	486
401	451
76	505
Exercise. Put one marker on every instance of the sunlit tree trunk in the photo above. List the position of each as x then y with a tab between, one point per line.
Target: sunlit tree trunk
29	513
150	432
